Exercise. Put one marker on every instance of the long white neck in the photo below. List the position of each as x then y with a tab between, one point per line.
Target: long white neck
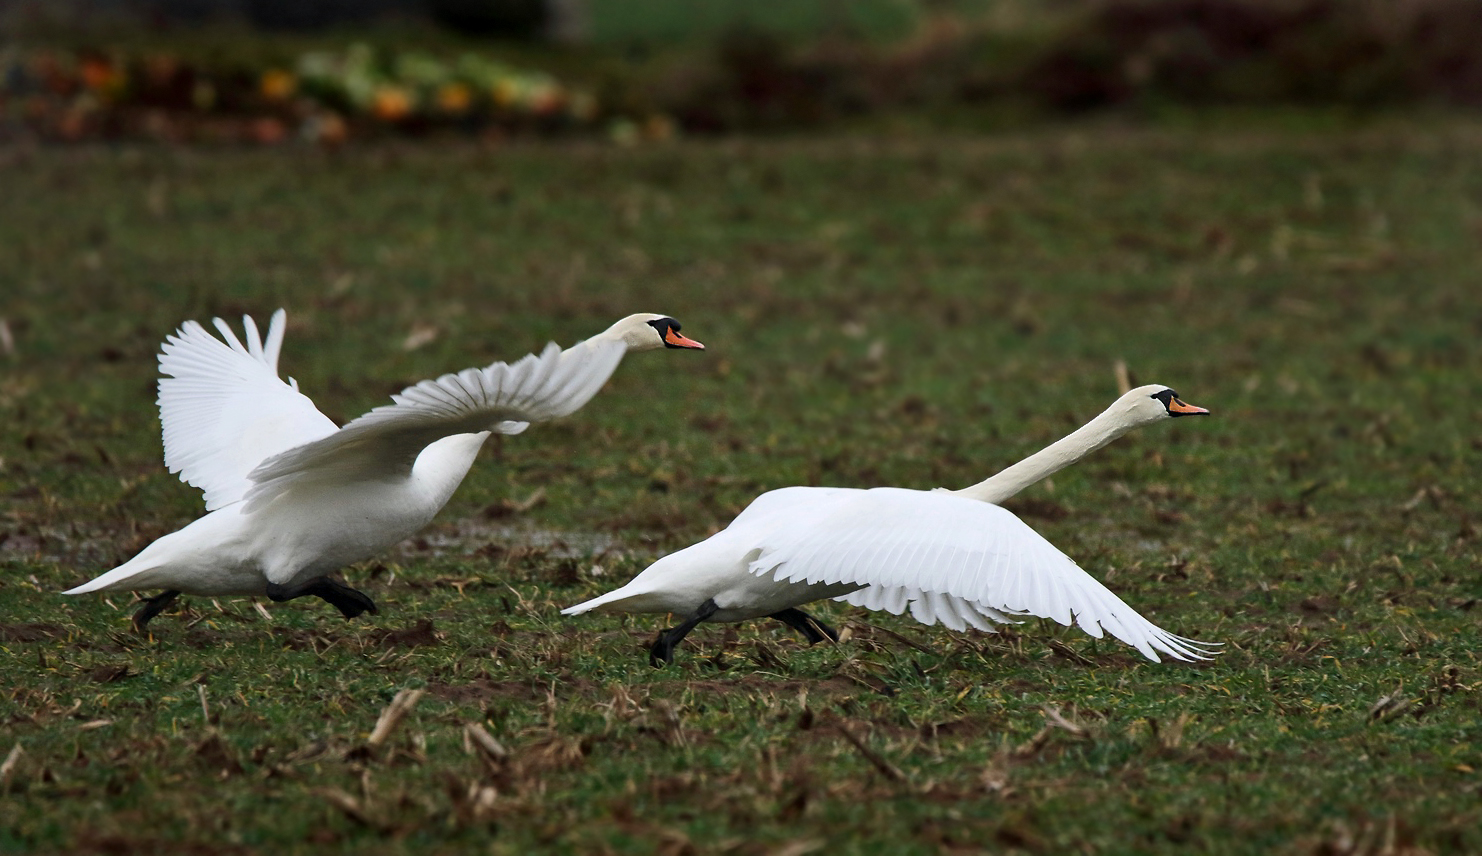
633	331
611	334
1055	457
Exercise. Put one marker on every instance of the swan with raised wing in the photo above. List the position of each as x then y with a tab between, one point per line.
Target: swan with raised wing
292	497
954	557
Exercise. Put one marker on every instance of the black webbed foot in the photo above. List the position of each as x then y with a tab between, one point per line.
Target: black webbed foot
153	606
348	601
662	651
813	630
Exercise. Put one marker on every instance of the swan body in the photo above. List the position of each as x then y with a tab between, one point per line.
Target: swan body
950	557
292	497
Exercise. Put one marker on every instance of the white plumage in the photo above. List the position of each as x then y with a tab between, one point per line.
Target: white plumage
389	440
292	497
949	557
224	410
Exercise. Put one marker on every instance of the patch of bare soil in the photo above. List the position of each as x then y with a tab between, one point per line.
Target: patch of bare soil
296	639
31	632
89	844
419	634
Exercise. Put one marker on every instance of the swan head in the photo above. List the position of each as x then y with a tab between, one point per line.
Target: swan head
647	331
1153	403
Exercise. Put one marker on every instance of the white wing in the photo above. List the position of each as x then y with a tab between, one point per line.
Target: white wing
931	607
953	560
224	410
787	501
384	443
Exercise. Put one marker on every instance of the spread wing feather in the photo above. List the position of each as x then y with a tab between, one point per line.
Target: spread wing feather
503	397
950	560
224	409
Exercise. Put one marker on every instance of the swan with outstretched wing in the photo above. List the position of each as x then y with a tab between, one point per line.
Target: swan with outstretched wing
292	497
950	557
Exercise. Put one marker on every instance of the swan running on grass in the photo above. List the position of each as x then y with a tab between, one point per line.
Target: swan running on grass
293	497
953	557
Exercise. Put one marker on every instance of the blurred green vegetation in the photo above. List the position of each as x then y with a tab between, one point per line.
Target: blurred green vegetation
724	65
674	21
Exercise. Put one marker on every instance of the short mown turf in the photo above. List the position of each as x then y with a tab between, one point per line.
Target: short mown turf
914	312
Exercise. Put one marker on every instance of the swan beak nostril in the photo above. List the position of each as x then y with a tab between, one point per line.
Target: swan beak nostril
1177	407
675	339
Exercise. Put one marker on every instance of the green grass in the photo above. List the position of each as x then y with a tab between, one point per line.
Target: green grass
918	311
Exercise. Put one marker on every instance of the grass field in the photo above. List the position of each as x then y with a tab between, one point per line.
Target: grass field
918	311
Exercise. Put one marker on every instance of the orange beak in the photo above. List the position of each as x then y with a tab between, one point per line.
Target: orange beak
679	340
1178	408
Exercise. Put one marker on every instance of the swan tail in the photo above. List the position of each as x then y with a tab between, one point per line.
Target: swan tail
624	599
588	606
132	575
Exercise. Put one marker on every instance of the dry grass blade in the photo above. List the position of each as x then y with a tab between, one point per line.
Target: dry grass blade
1054	721
1389	706
9	765
350	807
529	502
420	335
673	725
995	776
474	736
901	638
801	847
887	769
392	716
1124	377
476	803
1031	747
1171	735
507	506
1373	838
1069	653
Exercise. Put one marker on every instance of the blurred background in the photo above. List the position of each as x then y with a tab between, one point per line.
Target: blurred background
269	70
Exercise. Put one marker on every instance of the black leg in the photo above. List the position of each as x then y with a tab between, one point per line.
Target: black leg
663	647
153	606
813	630
348	601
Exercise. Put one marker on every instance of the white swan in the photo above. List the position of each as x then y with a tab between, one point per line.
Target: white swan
293	497
949	556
